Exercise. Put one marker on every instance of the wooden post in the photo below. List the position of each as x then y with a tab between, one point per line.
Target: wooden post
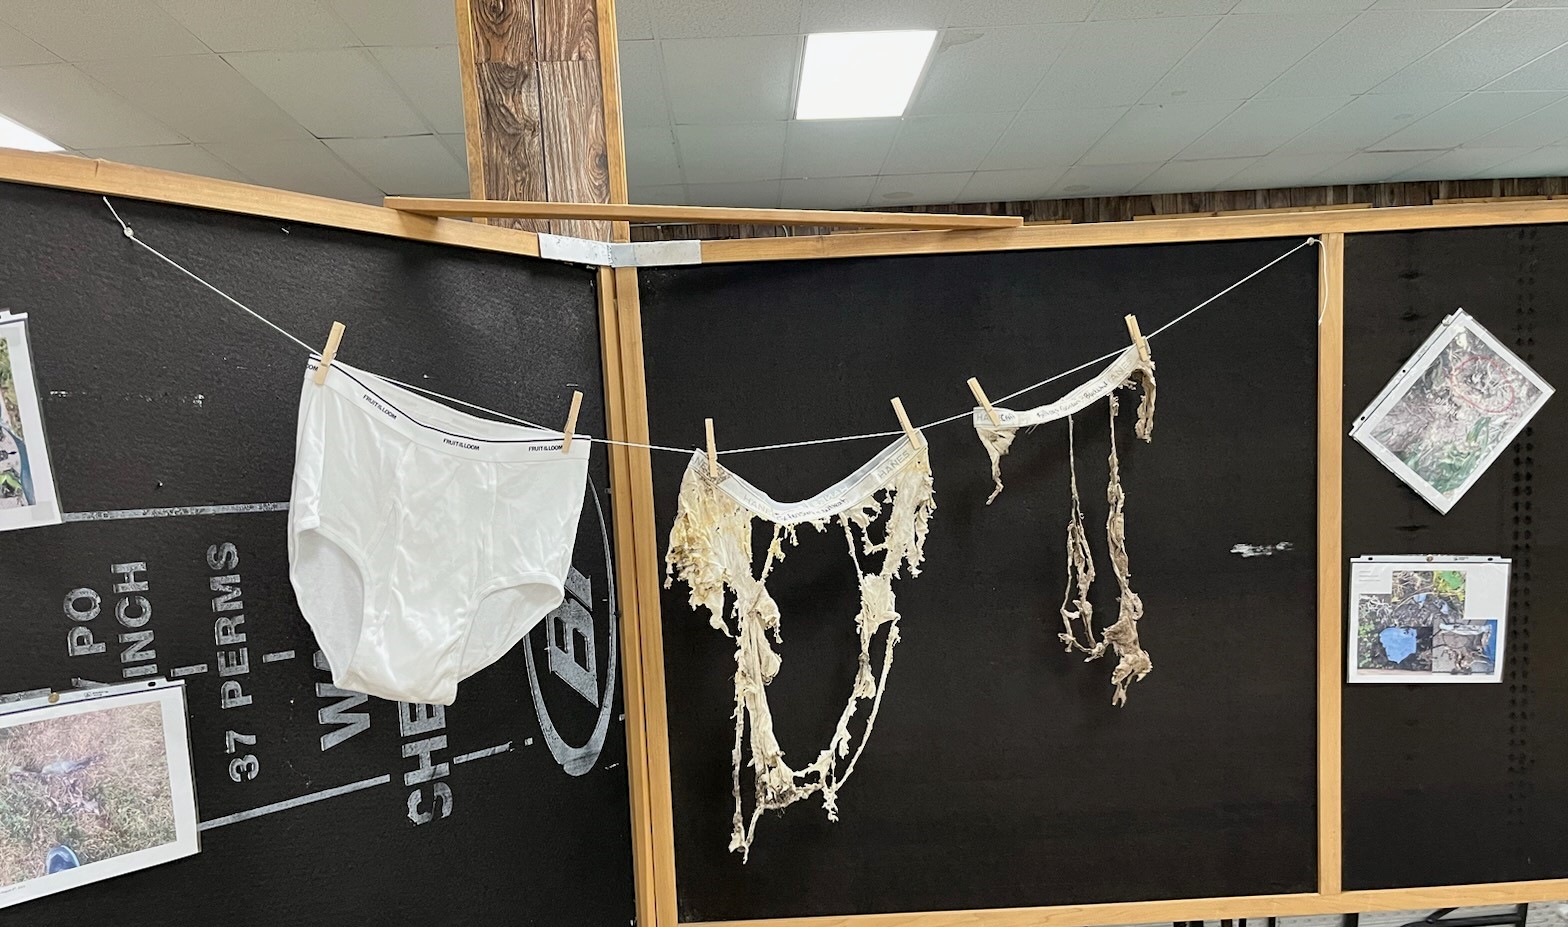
542	113
1331	623
536	75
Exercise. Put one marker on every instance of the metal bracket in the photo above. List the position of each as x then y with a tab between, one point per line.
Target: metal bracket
618	253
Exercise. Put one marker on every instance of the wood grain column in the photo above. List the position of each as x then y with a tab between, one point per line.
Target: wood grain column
541	105
542	111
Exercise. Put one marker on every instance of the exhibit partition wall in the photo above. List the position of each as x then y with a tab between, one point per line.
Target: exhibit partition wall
1066	645
999	784
171	415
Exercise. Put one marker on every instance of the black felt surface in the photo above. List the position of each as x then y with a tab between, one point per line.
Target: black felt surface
1459	784
998	773
157	394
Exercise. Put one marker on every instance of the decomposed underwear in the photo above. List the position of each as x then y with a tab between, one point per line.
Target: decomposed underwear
711	551
1077	614
423	542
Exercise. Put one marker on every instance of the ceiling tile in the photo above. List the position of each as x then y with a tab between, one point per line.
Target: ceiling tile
871	15
1242	54
1462	163
253	26
642	85
1548	72
826	192
1010	186
187	159
1369	51
1494	48
937	144
1372	167
16	48
1542	162
632	20
1101	179
1466	120
399	22
363	101
746	78
1152	9
199	96
724	154
1284	170
430	79
1194	176
458	145
1292	6
1115	63
91	30
838	147
307	166
750	193
1014	12
414	165
672	195
1058	136
1150	133
989	71
71	109
918	190
1439	4
650	157
1366	120
1260	126
1545	126
686	19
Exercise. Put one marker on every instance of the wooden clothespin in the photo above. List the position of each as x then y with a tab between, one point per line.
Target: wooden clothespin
329	352
980	397
713	449
571	420
909	430
1137	338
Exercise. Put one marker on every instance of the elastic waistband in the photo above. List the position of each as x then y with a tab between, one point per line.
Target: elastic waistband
439	427
1081	397
849	493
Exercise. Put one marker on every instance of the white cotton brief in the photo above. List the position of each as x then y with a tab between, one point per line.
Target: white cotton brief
423	542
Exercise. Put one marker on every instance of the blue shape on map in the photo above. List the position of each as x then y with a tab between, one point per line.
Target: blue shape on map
1398	643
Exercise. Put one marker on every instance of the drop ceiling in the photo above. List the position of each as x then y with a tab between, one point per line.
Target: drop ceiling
1022	99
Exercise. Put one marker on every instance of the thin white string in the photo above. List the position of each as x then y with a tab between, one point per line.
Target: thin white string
1048	380
131	234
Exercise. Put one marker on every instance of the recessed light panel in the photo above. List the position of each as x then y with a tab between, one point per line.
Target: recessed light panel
860	75
15	135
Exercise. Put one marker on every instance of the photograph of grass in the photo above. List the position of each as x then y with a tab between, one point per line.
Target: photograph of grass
89	789
1429	619
27	492
1451	411
97	783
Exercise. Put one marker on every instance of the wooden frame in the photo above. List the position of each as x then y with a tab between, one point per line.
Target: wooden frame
674	215
1330	227
637	544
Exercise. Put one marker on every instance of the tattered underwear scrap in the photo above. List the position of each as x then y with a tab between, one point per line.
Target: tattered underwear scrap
711	551
1077	614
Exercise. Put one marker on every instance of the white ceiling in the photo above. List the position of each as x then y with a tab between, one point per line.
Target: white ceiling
344	98
1023	99
1034	99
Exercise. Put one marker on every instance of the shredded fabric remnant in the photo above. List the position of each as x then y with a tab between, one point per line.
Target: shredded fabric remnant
1121	637
711	551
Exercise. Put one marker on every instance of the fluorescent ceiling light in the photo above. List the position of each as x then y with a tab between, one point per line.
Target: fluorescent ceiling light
860	75
15	135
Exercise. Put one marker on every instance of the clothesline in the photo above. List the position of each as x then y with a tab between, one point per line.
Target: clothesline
131	234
